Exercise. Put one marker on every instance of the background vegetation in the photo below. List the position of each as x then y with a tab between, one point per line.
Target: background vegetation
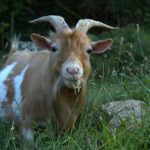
14	14
120	74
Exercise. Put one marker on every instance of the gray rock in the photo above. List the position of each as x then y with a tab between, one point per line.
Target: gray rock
26	45
130	111
17	44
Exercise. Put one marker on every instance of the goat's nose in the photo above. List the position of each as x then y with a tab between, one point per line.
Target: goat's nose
73	70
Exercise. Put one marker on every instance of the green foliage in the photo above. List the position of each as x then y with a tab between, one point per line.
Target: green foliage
111	79
120	74
91	131
16	14
3	26
129	50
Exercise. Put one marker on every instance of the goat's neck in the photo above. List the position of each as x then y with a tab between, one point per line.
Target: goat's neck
67	103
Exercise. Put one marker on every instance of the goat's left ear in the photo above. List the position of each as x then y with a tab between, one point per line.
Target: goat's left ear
101	46
41	41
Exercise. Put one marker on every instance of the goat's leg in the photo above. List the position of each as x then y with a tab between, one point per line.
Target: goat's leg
27	128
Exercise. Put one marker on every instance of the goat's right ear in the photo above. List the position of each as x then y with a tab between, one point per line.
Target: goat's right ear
41	41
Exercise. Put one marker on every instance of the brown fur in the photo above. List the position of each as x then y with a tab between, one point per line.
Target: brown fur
39	102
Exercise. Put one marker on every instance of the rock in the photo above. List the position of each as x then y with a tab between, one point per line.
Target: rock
26	45
130	111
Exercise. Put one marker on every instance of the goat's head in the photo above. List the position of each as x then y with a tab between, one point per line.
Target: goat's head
70	48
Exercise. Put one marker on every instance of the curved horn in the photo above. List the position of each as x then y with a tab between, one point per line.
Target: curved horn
57	22
85	24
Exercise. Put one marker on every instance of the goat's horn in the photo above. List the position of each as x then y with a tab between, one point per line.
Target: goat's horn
85	24
57	22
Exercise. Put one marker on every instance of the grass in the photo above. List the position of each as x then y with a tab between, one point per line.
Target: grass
129	80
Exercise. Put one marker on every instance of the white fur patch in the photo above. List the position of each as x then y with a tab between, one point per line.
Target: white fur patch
72	80
17	81
27	134
3	76
72	64
3	89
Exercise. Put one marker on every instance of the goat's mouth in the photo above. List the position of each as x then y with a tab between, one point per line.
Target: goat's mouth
72	83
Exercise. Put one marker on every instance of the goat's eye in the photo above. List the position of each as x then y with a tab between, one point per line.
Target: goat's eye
54	48
89	50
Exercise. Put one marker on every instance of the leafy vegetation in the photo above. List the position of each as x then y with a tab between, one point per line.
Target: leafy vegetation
14	14
120	74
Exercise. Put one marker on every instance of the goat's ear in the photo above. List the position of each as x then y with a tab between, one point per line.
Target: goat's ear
41	41
101	46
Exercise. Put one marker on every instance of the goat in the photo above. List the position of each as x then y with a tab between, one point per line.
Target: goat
50	83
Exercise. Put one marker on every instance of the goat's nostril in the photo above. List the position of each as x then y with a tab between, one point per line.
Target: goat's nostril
67	69
72	71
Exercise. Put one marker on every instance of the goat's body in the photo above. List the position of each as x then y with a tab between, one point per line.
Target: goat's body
49	84
30	95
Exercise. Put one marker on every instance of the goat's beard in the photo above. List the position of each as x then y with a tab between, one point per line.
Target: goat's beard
72	84
61	82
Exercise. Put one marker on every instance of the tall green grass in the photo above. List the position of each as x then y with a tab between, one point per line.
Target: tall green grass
121	74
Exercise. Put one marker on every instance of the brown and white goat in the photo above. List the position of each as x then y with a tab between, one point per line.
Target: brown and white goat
50	83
